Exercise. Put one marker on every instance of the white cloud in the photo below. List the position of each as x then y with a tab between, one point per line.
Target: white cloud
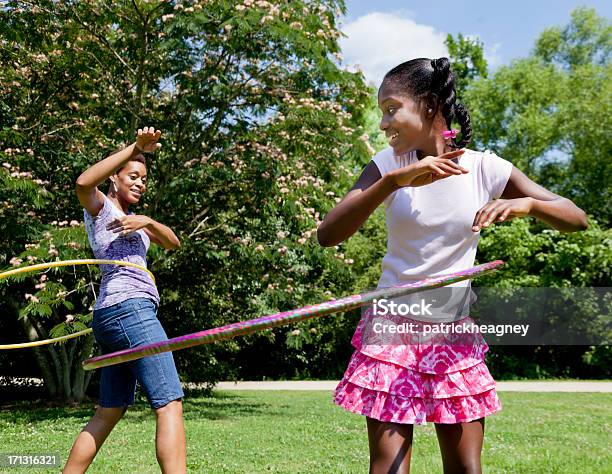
377	42
491	53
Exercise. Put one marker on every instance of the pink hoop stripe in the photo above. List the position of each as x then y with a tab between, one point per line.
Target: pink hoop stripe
287	317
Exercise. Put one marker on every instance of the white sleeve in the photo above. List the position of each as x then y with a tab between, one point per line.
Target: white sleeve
385	162
495	174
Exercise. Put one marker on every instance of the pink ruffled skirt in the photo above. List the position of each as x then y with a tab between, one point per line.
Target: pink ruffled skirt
417	382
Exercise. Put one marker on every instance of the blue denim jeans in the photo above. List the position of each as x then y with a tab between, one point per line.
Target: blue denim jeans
133	323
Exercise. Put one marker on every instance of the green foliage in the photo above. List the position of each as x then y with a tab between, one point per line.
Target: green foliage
467	60
550	113
53	303
545	257
261	134
586	40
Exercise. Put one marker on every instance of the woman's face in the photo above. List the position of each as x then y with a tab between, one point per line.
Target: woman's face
131	181
402	119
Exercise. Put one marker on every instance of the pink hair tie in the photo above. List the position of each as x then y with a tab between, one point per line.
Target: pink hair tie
450	133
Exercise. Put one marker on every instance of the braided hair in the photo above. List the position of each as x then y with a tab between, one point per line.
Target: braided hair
424	78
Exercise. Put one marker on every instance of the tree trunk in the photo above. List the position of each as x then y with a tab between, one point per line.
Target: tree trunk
43	364
65	370
81	378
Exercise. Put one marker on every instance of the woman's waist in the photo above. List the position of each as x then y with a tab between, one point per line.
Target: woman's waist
110	306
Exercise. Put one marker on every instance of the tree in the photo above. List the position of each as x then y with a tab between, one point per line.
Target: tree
549	113
586	40
467	60
256	113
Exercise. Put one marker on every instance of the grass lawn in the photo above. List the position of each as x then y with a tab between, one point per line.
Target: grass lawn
303	432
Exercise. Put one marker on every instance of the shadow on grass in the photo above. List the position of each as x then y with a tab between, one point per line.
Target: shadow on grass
196	405
38	411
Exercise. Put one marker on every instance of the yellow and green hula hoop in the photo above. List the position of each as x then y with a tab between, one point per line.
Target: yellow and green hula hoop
63	263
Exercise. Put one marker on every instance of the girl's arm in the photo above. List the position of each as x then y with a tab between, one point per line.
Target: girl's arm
87	184
371	189
362	200
162	235
157	232
523	197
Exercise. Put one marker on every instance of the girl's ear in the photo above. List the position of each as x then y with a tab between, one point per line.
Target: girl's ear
431	105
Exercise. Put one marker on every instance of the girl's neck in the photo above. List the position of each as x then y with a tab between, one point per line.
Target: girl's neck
119	203
434	146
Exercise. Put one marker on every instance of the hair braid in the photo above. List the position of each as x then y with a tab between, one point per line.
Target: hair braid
425	77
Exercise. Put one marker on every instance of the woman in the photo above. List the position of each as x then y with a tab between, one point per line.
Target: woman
438	196
126	307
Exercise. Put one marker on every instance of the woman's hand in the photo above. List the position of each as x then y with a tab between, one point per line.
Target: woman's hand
429	169
147	139
128	224
501	210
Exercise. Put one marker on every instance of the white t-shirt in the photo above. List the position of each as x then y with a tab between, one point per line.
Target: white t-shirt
429	228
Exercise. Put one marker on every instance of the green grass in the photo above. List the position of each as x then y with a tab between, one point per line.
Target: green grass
248	432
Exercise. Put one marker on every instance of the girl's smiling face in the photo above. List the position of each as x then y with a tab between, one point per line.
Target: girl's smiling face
402	119
131	182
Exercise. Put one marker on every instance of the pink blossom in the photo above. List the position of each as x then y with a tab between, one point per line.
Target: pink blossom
31	298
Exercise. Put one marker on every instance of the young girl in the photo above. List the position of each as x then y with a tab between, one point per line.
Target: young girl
125	311
437	196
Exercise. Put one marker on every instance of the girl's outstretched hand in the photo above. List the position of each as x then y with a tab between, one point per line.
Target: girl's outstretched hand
128	224
147	139
501	210
429	169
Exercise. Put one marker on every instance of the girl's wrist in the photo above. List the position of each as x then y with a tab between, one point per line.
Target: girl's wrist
390	181
531	204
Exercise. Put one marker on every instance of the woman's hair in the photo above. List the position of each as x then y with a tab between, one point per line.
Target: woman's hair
424	78
140	158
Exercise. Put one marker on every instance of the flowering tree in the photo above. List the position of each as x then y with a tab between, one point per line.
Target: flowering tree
260	133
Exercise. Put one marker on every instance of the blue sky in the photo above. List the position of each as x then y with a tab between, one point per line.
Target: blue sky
384	33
